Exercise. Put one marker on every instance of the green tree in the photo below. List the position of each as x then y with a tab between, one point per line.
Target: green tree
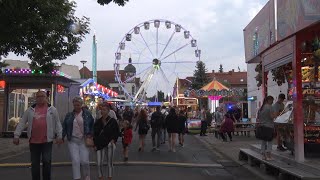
220	69
42	30
119	2
3	64
161	96
200	77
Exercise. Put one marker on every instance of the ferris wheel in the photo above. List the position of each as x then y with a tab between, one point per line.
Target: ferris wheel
151	56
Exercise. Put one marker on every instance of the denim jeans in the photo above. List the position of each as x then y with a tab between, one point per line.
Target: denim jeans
41	151
154	132
266	146
109	151
163	135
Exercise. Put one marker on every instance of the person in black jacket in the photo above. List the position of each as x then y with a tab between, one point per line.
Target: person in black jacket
172	126
106	133
182	120
156	124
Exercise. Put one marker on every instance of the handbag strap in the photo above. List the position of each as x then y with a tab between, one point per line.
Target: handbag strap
108	120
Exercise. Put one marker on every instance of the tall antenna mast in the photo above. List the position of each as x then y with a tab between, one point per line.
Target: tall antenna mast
94	58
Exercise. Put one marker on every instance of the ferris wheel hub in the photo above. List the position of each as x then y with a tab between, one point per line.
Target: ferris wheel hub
156	63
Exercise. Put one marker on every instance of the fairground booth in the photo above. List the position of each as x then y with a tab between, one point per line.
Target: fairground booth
94	93
17	92
283	39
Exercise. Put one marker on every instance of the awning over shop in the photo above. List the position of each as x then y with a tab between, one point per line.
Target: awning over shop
90	87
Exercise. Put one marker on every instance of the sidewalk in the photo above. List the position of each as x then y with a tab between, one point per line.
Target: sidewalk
229	152
8	149
229	149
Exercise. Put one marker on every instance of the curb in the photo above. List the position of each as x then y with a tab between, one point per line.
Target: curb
225	155
218	151
130	163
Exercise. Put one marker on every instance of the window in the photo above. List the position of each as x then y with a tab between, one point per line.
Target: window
19	101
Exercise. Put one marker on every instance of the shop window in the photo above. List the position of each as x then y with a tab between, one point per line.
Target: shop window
19	101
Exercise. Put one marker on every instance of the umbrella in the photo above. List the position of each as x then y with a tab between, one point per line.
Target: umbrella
214	85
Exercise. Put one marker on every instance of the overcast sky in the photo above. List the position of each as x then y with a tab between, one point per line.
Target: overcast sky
216	24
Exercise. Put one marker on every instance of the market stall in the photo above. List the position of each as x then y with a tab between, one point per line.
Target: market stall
19	86
311	127
94	93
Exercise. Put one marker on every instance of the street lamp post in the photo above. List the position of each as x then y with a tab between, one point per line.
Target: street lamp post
83	62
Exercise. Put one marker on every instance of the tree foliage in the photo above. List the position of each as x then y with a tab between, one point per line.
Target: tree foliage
42	30
119	2
159	98
3	64
200	77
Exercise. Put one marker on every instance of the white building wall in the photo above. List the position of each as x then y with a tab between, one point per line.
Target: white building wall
253	91
70	70
16	64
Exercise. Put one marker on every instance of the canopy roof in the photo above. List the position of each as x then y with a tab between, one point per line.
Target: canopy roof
214	85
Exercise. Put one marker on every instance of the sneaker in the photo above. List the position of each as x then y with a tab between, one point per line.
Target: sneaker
153	149
281	148
173	150
125	159
139	149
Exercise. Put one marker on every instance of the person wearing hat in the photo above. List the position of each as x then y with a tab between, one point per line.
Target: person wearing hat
277	108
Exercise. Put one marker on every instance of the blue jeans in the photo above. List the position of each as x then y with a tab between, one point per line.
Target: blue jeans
163	135
41	151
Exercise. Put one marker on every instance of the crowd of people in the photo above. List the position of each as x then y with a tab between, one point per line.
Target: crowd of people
81	131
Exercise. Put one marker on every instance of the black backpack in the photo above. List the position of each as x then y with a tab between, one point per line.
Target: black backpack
156	119
144	127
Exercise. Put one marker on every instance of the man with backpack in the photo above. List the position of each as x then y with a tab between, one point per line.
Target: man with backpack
156	123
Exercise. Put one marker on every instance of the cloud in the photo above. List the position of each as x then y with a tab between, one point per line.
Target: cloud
216	24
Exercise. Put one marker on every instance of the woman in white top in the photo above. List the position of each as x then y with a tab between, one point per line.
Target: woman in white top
77	126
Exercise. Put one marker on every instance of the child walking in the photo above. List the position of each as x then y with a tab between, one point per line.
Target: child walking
126	138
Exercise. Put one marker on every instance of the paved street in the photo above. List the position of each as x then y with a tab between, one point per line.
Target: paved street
195	161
